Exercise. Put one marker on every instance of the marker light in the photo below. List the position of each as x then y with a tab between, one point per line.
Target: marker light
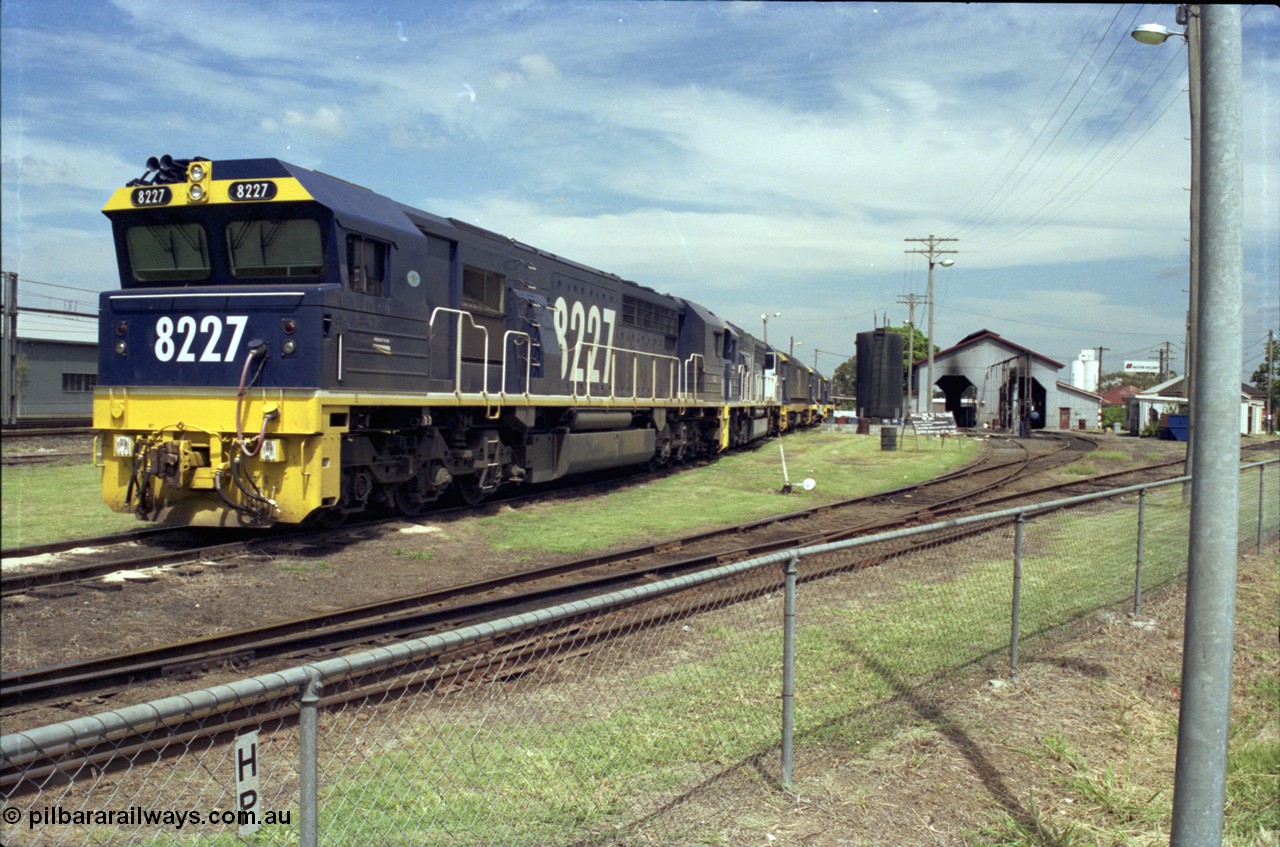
288	346
198	174
121	348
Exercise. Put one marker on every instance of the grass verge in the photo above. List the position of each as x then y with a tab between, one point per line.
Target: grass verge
53	502
736	487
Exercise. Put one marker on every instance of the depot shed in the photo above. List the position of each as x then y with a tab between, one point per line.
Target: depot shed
54	379
1077	408
989	382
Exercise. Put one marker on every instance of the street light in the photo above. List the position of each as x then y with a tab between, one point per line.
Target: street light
1154	34
931	251
765	318
1214	70
1157	34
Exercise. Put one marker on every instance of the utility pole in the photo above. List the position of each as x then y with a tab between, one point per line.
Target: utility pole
1190	15
11	347
910	303
1271	379
932	251
1098	387
1200	775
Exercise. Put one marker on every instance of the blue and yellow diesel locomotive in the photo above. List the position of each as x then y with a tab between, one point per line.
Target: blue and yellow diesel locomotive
286	345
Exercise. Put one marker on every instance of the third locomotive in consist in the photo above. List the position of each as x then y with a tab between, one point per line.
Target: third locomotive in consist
286	345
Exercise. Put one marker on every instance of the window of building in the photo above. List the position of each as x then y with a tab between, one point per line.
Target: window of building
367	265
482	290
79	383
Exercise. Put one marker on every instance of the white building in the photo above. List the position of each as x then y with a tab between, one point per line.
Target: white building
1170	398
1085	371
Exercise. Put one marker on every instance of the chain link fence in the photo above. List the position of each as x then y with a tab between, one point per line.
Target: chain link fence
617	719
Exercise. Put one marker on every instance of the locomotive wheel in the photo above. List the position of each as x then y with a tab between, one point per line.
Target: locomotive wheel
468	491
330	518
662	456
409	500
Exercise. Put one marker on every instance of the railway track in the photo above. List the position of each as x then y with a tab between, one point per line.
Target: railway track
111	554
39	427
424	612
503	658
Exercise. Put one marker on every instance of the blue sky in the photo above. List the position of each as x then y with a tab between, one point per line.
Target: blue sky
755	157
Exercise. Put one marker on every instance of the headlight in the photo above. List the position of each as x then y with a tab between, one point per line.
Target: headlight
272	450
196	172
123	446
196	193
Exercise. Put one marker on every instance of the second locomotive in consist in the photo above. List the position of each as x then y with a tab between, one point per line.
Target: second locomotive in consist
286	345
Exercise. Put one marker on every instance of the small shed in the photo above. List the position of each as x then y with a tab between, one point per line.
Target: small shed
1170	398
1077	408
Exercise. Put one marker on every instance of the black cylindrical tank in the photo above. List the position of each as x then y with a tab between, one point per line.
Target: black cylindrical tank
879	373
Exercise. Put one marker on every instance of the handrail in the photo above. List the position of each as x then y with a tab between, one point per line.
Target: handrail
509	335
691	391
613	355
457	358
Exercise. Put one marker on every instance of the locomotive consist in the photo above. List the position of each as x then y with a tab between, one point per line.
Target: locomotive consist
287	346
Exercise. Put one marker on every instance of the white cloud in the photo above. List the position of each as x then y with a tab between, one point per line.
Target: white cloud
765	149
327	121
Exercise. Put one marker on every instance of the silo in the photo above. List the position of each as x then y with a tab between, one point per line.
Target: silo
879	374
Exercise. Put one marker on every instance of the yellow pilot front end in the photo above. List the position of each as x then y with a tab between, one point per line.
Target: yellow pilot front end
181	458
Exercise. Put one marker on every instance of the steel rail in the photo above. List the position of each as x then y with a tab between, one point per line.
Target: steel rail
412	613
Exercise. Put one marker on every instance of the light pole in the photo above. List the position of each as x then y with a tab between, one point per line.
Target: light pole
932	252
1187	16
1199	782
765	318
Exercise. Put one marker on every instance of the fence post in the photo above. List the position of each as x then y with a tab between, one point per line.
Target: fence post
1262	503
307	767
1017	595
1137	579
788	668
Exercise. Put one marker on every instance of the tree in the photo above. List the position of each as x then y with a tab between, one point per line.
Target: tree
844	380
1266	377
1141	381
